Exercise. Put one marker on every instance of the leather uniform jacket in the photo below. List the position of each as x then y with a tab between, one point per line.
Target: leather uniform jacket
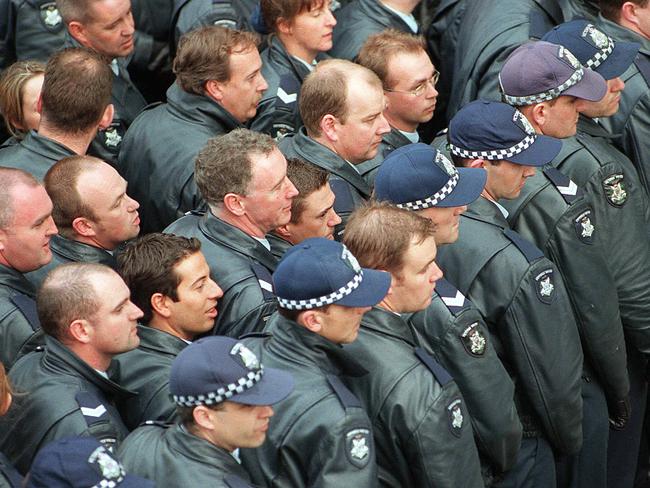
159	169
452	330
320	435
34	154
145	370
172	457
9	477
64	397
420	420
522	298
240	265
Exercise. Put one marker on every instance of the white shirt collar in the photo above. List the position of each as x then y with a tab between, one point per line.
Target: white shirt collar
263	241
310	67
411	136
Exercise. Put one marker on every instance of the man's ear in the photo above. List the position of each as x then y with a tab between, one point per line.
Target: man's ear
477	163
80	330
160	305
83	227
283	231
107	117
78	31
233	202
202	417
311	320
328	127
214	90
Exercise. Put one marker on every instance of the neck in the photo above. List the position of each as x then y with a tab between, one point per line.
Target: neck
400	124
487	194
329	145
404	6
297	50
632	26
242	222
387	304
90	356
91	241
78	143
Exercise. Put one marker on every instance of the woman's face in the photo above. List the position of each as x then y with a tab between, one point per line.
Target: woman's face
30	93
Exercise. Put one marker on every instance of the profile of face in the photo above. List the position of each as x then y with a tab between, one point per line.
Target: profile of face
357	139
113	327
411	99
606	107
267	204
318	218
310	31
109	28
195	309
25	242
506	180
446	222
337	323
236	425
29	95
241	94
412	287
560	117
115	215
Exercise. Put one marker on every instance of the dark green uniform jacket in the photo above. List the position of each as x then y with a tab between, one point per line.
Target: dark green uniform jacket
358	20
583	9
621	209
553	213
240	265
522	297
9	477
34	154
277	112
278	245
389	142
631	124
19	325
350	188
490	31
69	251
145	370
64	397
173	458
320	435
158	153
421	424
452	330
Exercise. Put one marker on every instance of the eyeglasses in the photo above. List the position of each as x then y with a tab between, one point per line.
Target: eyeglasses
421	88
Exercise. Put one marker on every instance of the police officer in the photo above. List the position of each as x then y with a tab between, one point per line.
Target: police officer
68	123
302	33
170	281
360	19
409	79
312	210
26	227
218	85
322	434
520	293
243	178
92	210
420	179
420	419
85	312
342	133
223	395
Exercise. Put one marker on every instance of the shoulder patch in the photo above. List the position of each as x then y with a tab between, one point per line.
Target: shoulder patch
27	307
451	297
584	226
530	251
567	187
265	280
223	14
111	137
432	365
358	443
455	416
50	17
345	396
642	63
91	407
287	93
615	190
474	340
544	286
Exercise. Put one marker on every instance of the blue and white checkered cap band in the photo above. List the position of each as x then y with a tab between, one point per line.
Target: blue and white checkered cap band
434	199
544	96
601	55
497	154
333	297
222	394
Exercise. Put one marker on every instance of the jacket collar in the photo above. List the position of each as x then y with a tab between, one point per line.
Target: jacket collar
80	252
278	55
159	341
199	109
484	210
552	9
380	14
203	451
388	323
620	33
590	127
229	236
291	340
46	147
15	280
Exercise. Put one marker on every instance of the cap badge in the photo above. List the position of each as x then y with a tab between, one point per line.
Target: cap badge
598	38
109	467
522	122
568	55
449	168
247	356
349	259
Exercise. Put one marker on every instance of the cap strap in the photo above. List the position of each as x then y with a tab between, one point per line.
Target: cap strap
496	154
434	199
333	297
241	385
577	75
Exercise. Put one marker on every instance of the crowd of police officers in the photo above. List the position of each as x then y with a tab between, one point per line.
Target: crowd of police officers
303	243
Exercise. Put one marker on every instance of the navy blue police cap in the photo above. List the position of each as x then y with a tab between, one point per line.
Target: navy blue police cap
497	131
217	369
417	176
80	462
319	272
594	48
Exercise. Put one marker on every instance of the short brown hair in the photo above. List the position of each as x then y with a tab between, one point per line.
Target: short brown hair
66	295
76	10
147	267
224	164
61	185
204	54
12	91
379	234
325	91
76	89
378	50
273	10
611	9
307	178
10	178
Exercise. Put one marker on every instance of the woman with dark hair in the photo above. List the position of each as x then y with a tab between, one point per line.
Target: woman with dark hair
9	477
20	88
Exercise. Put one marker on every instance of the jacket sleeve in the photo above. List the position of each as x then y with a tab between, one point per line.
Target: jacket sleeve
243	309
